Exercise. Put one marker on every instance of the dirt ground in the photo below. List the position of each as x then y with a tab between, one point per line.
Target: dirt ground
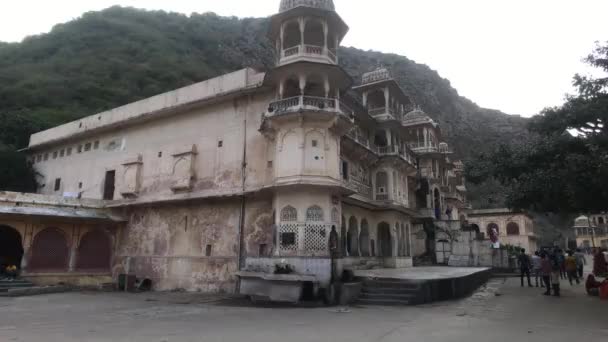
500	311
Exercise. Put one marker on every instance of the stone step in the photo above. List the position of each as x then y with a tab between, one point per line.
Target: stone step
390	284
388	296
33	291
15	285
390	290
386	302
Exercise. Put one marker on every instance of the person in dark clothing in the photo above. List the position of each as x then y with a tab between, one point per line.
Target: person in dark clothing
556	267
545	269
524	267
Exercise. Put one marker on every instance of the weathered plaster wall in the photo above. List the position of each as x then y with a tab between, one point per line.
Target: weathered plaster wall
217	132
169	245
527	237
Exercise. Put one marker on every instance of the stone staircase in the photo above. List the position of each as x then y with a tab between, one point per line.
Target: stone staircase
389	292
8	284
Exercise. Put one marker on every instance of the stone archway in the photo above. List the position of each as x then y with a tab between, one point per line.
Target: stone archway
50	251
353	237
11	246
364	242
94	252
384	240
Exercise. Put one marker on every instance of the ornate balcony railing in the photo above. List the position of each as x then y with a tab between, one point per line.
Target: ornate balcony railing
308	50
381	197
295	103
362	189
393	150
361	139
423	148
382	112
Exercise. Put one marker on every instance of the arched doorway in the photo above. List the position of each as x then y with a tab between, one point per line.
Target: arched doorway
384	240
353	237
343	240
437	203
11	247
94	252
49	251
364	239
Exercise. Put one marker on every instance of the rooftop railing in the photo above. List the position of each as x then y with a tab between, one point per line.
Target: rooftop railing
308	50
296	103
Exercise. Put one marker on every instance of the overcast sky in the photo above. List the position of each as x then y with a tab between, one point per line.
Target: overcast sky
514	55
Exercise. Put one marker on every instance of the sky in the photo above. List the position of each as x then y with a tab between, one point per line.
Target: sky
517	56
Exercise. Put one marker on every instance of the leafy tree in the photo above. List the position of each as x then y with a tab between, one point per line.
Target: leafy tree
564	166
16	173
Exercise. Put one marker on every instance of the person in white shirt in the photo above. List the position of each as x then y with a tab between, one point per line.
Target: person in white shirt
536	268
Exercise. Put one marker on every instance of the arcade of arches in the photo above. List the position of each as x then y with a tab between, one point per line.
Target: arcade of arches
55	248
359	239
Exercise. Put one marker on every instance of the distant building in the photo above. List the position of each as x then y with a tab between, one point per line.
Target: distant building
514	228
591	231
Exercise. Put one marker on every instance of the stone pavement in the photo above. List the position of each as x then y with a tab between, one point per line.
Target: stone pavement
500	311
421	273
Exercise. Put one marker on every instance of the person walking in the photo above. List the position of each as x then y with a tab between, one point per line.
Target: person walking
561	259
571	268
536	269
580	262
524	267
545	270
556	268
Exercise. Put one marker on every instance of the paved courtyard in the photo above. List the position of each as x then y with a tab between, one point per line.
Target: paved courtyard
501	311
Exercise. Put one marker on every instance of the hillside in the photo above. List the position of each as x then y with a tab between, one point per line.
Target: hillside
119	55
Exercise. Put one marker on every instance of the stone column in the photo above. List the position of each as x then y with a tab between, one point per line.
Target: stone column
27	244
302	23
325	31
386	98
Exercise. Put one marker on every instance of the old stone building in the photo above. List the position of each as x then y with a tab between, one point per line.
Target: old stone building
243	171
591	231
514	228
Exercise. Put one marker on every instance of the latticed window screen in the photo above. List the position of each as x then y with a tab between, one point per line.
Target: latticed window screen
288	237
315	238
314	214
289	214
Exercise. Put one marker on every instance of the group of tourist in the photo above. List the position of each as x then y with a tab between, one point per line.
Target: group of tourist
552	265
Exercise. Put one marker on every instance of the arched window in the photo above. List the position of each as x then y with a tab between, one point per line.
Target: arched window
94	252
512	228
314	34
292	36
490	228
314	214
600	220
289	214
49	251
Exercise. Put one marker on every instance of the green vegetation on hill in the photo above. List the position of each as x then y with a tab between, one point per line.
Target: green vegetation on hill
109	58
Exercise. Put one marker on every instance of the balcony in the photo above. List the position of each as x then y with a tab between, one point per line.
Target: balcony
392	150
383	114
361	140
296	103
359	188
424	148
309	52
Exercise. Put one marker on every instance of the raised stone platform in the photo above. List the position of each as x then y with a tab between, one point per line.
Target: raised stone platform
419	284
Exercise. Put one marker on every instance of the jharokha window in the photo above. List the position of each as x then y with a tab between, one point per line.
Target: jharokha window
314	213
289	214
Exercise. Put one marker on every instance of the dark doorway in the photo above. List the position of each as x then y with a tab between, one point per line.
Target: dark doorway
384	238
109	185
11	248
